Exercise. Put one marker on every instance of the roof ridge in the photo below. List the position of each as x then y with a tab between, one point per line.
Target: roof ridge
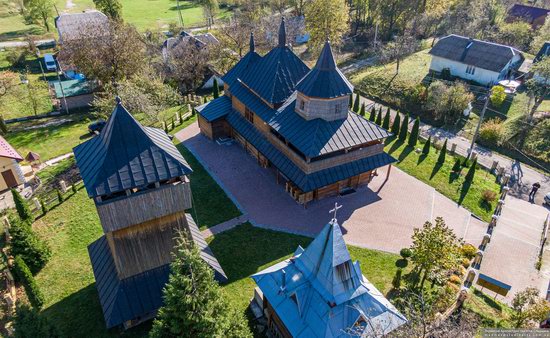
481	41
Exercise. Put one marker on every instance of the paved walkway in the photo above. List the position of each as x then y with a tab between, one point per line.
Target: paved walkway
523	176
20	44
228	225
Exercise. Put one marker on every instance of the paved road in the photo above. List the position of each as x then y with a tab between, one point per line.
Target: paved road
523	176
19	44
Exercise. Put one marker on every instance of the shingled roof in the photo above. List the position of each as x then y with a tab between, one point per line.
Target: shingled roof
320	292
274	76
527	13
127	155
325	80
477	53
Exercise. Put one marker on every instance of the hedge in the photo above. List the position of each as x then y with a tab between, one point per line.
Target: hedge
24	276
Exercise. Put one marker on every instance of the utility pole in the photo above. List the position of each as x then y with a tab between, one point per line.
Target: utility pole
58	70
481	116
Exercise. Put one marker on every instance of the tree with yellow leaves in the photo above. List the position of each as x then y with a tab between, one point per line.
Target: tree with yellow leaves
326	19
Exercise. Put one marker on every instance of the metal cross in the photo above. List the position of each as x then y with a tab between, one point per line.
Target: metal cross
333	211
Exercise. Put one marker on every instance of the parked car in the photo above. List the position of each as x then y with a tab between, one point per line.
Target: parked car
50	62
97	126
547	198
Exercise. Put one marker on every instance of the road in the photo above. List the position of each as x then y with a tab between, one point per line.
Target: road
19	44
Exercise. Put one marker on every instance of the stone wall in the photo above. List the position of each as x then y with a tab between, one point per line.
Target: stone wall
328	110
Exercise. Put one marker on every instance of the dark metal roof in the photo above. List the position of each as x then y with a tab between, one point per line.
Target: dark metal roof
241	68
325	80
481	54
253	102
318	137
274	76
528	13
127	155
215	109
306	182
543	52
139	295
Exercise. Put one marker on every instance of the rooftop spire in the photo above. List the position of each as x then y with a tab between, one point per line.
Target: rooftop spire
252	44
326	59
282	33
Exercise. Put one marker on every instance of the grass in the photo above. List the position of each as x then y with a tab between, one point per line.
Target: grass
491	313
51	140
441	178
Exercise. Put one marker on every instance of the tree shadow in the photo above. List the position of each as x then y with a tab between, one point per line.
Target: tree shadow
401	263
435	169
464	191
488	300
395	146
454	176
483	204
405	153
421	158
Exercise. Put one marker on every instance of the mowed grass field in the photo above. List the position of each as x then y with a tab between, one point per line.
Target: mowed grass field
144	14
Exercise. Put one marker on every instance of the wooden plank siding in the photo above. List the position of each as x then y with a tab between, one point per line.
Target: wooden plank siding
143	206
205	127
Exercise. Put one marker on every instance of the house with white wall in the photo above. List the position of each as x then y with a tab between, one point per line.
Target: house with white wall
475	60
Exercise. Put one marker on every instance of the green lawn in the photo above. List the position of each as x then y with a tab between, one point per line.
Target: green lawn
52	140
424	168
491	313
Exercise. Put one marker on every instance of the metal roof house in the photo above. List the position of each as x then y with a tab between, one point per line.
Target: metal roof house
475	60
321	292
296	121
138	181
70	25
535	16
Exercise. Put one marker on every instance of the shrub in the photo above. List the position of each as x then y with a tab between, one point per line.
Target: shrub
491	131
29	323
386	122
25	243
498	96
404	128
3	126
488	196
468	250
446	74
455	280
465	263
22	206
25	277
413	137
405	253
396	281
442	153
16	57
350	103
73	188
396	124
427	146
43	207
59	196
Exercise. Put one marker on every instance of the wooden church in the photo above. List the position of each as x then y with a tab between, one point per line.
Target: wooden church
296	121
138	181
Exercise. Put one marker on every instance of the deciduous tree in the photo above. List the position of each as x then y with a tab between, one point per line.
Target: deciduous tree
326	19
529	308
448	102
38	11
111	8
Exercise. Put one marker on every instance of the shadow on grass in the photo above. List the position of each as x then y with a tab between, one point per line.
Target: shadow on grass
464	191
406	151
435	170
488	300
395	146
483	204
454	176
401	263
421	158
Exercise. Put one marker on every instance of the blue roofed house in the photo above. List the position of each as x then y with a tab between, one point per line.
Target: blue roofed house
138	181
296	121
321	292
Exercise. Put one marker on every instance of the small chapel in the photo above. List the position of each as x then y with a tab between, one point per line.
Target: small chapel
296	121
139	183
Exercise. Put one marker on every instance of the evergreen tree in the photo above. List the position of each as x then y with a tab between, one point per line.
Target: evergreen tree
413	137
73	188
386	123
350	103
216	89
404	129
165	126
43	207
457	166
59	196
363	112
427	146
29	323
396	124
442	153
205	100
3	126
22	206
372	116
356	103
25	243
471	171
379	117
194	305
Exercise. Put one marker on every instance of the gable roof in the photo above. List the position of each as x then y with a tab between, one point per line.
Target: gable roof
543	52
71	88
126	155
245	64
69	25
481	54
325	80
528	13
317	137
320	292
6	150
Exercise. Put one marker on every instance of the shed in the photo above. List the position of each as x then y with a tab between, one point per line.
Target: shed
78	93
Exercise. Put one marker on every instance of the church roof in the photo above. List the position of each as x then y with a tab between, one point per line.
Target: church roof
241	68
275	75
320	292
325	80
127	155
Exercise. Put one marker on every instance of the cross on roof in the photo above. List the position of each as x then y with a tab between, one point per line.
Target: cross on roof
333	211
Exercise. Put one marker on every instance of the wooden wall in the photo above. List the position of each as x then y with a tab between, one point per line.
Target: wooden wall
141	207
205	127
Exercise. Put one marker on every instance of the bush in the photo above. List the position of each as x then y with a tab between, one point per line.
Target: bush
455	280
73	188
29	323
362	112
25	243
372	115
43	207
498	96
379	117
22	206
491	131
405	253
25	277
469	251
16	57
216	89
488	196
446	74
3	126
465	263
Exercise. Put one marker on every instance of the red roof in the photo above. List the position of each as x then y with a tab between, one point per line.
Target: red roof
6	150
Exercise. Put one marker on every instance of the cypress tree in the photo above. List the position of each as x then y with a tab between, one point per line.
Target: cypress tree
471	171
427	146
29	323
404	128
73	188
191	288
379	118
43	207
363	112
442	153
26	243
216	89
413	137
386	123
3	126
205	100
25	277
59	196
457	166
372	116
165	126
356	103
350	104
396	124
22	206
